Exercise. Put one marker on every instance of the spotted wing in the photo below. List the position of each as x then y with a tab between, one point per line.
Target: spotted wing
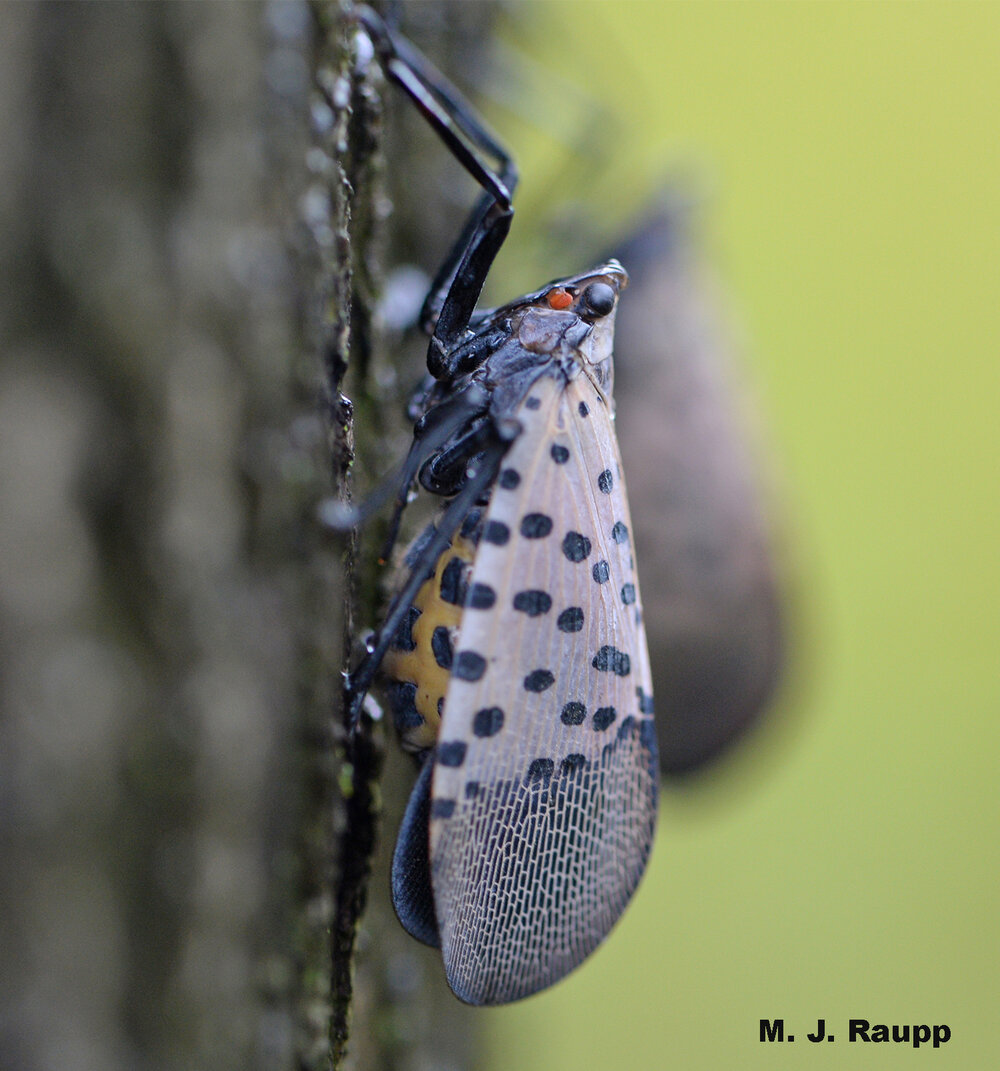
545	780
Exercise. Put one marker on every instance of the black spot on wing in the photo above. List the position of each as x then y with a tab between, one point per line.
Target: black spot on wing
487	722
603	717
575	546
645	700
610	660
605	481
627	727
442	808
509	479
536	525
538	680
560	453
628	594
583	409
533	403
601	571
573	714
480	597
469	666
619	533
647	735
451	753
572	765
496	532
570	620
533	602
540	772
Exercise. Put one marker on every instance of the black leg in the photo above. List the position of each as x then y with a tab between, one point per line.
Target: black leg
444	472
434	429
437	426
451	116
447	312
459	282
466	286
360	680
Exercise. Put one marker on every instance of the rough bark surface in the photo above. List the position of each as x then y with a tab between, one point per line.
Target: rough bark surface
189	200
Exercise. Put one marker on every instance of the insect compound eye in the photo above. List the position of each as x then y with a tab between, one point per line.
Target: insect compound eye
598	299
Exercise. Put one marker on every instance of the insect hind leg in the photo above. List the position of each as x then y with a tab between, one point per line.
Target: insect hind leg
452	117
459	281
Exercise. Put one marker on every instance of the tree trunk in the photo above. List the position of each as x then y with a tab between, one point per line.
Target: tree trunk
188	225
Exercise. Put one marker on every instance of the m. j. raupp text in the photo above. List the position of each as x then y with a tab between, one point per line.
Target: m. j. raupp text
916	1034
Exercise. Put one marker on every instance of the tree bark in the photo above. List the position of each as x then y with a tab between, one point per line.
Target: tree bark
189	207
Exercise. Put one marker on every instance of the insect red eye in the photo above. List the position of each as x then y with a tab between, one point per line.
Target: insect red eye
560	299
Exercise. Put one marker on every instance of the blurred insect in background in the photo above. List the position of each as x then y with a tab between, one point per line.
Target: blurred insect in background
705	531
707	506
515	646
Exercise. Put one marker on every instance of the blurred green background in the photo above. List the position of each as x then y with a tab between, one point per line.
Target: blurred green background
844	863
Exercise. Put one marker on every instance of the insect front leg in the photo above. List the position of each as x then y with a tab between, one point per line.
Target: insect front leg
436	427
432	431
445	472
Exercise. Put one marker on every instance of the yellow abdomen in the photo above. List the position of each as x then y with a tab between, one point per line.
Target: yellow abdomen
418	664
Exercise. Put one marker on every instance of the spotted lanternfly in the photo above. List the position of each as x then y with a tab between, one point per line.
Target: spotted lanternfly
514	647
